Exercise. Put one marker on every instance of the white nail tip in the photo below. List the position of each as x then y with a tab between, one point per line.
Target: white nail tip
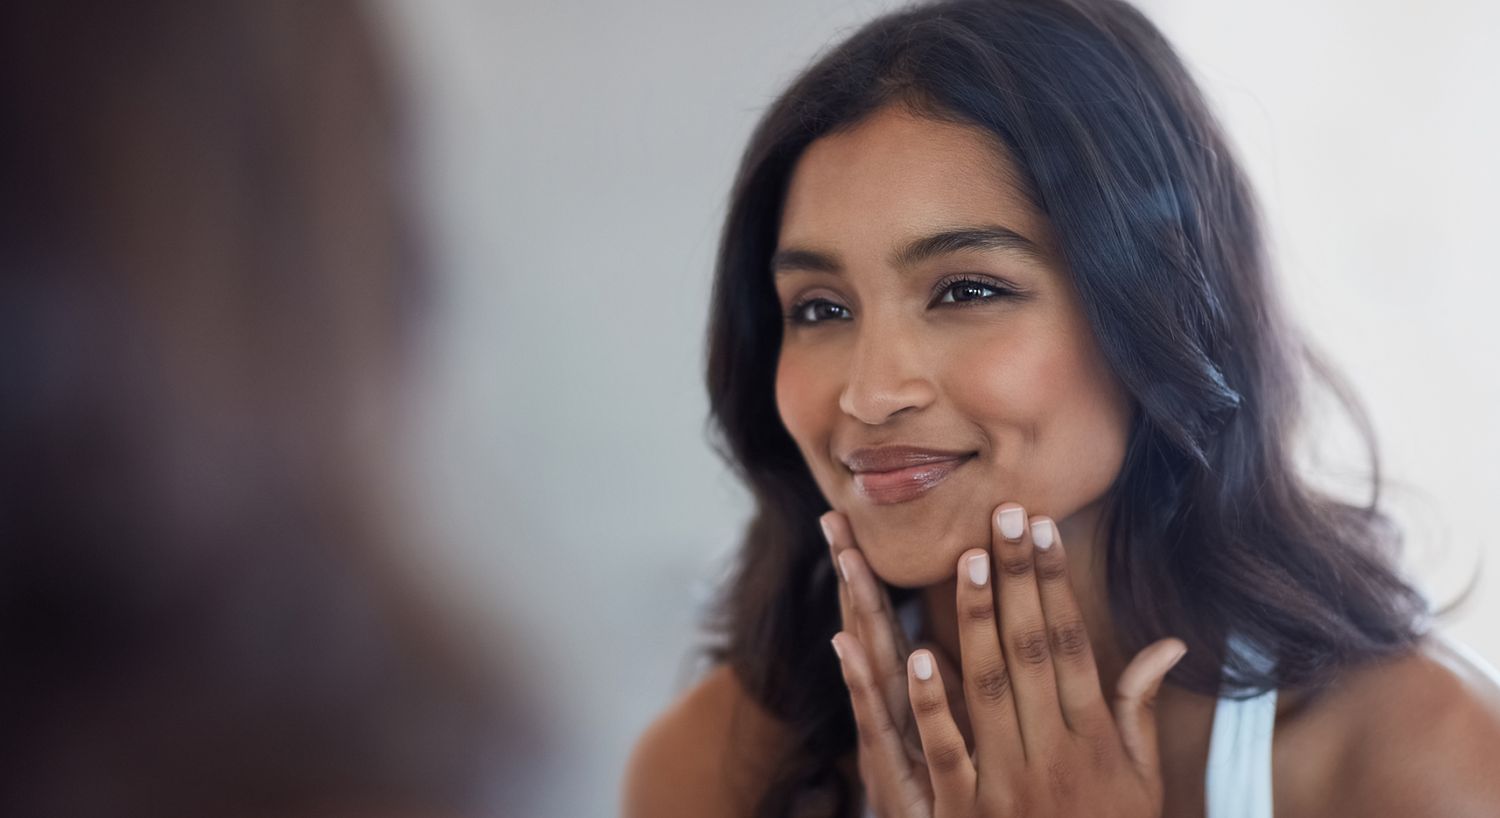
979	569
1012	523
1041	534
921	664
827	532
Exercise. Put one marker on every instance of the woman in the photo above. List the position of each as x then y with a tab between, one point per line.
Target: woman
205	310
992	289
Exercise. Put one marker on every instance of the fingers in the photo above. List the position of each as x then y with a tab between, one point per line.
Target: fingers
948	763
875	632
881	747
1078	691
953	687
873	593
1135	703
987	681
872	618
829	523
1023	633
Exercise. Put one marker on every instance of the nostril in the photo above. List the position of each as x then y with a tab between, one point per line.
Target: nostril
874	408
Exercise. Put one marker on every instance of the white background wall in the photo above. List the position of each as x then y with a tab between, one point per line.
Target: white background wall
577	157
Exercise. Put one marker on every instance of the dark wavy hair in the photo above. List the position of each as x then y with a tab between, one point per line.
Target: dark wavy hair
1211	531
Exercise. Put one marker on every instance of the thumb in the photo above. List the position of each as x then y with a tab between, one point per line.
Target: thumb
1135	703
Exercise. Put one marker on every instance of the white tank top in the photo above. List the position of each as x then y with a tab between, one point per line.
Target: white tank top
1239	758
1238	783
1239	755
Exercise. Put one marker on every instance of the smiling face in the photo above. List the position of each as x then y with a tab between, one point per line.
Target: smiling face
928	308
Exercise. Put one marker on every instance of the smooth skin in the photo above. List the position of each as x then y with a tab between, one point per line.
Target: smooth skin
986	349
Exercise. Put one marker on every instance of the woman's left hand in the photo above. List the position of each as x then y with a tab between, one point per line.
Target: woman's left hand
1045	742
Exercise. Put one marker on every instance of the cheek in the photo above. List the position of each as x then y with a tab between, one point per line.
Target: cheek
1084	447
802	403
1056	417
1002	382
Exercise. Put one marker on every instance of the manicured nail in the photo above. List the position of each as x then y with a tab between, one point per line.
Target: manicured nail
979	569
1177	658
844	565
827	532
921	664
1042	533
836	650
1012	523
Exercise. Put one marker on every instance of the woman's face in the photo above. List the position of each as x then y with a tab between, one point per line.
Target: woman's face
928	309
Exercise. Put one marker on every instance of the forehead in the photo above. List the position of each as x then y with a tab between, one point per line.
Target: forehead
897	174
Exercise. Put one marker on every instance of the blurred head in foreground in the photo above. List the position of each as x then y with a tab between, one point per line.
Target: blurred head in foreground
205	291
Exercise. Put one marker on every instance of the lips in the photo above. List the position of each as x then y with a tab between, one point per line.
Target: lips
896	474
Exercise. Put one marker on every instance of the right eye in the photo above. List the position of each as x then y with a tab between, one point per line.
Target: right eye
815	311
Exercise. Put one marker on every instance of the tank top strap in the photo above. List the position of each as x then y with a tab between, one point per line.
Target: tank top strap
1239	756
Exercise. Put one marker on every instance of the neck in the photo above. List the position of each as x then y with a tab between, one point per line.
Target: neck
1082	535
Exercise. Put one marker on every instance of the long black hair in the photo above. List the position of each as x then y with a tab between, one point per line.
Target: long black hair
1211	531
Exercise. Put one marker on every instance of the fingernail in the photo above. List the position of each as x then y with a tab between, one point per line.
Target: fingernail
921	664
1177	658
1041	533
1012	523
844	565
827	532
837	652
979	569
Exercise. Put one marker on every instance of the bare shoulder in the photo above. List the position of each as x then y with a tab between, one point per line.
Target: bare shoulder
1418	735
706	756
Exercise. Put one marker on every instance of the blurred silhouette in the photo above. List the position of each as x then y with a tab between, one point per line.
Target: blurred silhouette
207	287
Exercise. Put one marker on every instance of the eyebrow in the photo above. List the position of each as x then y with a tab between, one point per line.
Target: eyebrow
983	237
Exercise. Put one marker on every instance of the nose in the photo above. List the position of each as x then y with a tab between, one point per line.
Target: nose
886	377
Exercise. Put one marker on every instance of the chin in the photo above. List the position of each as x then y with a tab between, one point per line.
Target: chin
918	553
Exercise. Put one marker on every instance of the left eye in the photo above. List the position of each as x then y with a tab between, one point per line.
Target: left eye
960	292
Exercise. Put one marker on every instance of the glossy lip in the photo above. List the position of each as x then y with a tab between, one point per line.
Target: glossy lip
897	474
890	458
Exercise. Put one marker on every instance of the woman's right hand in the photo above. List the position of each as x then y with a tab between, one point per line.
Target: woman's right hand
867	613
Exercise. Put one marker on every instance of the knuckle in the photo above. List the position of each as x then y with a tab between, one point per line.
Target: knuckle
869	710
1052	570
947	758
929	707
895	680
1031	647
1127	701
872	730
1070	639
992	683
980	610
859	689
880	725
1061	782
1017	567
1100	751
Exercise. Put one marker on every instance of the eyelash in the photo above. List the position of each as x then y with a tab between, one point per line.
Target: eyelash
794	313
